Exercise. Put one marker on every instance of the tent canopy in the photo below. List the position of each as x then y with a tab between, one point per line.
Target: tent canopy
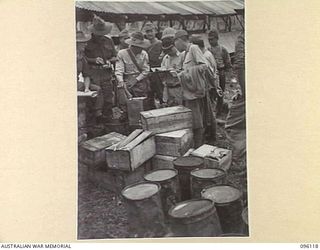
167	10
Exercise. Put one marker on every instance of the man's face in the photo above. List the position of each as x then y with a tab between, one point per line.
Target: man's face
213	41
100	39
171	52
180	45
136	49
122	40
150	34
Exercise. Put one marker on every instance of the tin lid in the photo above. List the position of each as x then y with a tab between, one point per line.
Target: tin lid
188	161
161	175
207	173
221	194
140	191
191	208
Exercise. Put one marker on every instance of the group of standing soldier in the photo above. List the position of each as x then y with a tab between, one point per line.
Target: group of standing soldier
197	74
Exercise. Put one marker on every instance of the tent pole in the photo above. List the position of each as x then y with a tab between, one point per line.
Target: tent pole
240	22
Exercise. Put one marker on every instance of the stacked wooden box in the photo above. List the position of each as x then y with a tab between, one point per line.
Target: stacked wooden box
214	157
114	160
173	133
134	107
131	153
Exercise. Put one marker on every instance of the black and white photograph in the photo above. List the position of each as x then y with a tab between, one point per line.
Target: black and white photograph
161	116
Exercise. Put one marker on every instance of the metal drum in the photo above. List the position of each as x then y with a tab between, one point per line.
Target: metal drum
185	165
170	189
194	218
227	200
144	208
244	216
234	235
202	178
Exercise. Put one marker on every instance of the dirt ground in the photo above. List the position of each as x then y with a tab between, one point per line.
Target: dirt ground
101	215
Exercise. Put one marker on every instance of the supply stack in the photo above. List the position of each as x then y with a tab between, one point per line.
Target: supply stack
114	160
173	133
168	188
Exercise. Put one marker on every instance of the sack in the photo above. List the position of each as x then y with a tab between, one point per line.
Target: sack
142	86
193	82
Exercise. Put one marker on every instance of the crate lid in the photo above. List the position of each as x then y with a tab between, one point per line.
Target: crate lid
161	175
221	194
204	150
164	111
140	191
207	173
102	142
175	134
191	208
188	161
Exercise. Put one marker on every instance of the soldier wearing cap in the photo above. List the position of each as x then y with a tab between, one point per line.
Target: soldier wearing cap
100	54
132	66
82	68
172	93
154	52
213	86
123	36
239	62
155	48
222	57
192	56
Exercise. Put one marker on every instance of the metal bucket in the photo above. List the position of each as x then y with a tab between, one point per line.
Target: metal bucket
233	235
144	208
244	216
185	165
227	200
194	218
202	178
170	189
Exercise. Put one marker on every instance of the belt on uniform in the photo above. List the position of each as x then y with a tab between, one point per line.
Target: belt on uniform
99	67
130	74
173	87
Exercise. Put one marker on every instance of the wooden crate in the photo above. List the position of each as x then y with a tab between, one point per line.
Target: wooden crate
134	107
116	180
214	157
92	152
130	156
175	143
162	161
166	119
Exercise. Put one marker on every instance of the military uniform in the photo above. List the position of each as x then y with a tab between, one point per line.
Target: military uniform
223	61
101	75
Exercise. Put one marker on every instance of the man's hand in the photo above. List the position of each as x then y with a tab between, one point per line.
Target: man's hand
120	84
99	60
132	82
220	92
174	73
113	59
86	90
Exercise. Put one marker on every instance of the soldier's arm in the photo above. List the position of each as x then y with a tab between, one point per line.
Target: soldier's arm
145	68
197	55
86	84
119	70
226	59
